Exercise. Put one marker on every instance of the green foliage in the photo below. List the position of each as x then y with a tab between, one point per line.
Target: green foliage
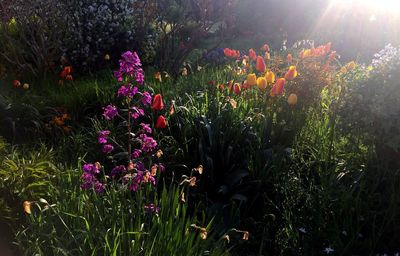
374	98
116	223
23	176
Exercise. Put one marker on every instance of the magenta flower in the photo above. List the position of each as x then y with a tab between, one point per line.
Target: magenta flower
146	128
99	187
103	136
136	153
110	112
91	169
146	98
136	112
148	143
107	148
127	91
118	170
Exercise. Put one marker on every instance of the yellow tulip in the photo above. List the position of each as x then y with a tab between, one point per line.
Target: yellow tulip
261	83
270	77
251	79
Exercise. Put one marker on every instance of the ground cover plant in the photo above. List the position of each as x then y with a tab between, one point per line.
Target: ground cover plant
168	128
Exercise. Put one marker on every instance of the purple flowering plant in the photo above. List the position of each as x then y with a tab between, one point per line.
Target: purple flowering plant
134	155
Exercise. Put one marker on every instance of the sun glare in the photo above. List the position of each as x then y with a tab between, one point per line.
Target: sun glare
392	6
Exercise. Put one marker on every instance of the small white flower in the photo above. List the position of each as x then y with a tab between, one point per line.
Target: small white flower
303	230
344	232
328	250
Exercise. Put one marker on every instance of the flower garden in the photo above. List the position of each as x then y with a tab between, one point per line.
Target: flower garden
146	131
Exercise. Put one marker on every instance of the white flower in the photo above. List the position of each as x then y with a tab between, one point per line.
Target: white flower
328	250
303	230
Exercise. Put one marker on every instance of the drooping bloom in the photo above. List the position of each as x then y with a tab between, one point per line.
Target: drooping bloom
27	207
157	76
270	77
261	83
291	73
252	54
161	122
236	88
292	99
251	79
110	112
158	103
278	87
260	64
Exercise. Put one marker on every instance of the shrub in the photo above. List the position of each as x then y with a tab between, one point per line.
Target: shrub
374	101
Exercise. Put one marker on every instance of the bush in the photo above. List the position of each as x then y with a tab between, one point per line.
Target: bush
374	100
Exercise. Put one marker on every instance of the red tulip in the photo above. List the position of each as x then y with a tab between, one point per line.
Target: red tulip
260	64
278	87
161	122
158	103
16	83
252	54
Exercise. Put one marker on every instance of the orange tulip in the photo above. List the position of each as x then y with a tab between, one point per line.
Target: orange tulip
292	99
252	54
289	58
260	64
262	83
251	79
270	76
291	73
236	88
278	87
161	122
158	103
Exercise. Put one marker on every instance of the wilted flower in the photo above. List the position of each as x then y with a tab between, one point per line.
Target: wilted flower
161	122
184	72
292	99
27	207
159	153
157	76
107	57
251	79
158	103
261	83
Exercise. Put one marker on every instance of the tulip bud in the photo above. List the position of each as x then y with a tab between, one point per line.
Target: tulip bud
161	122
158	103
260	64
262	83
292	99
251	79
